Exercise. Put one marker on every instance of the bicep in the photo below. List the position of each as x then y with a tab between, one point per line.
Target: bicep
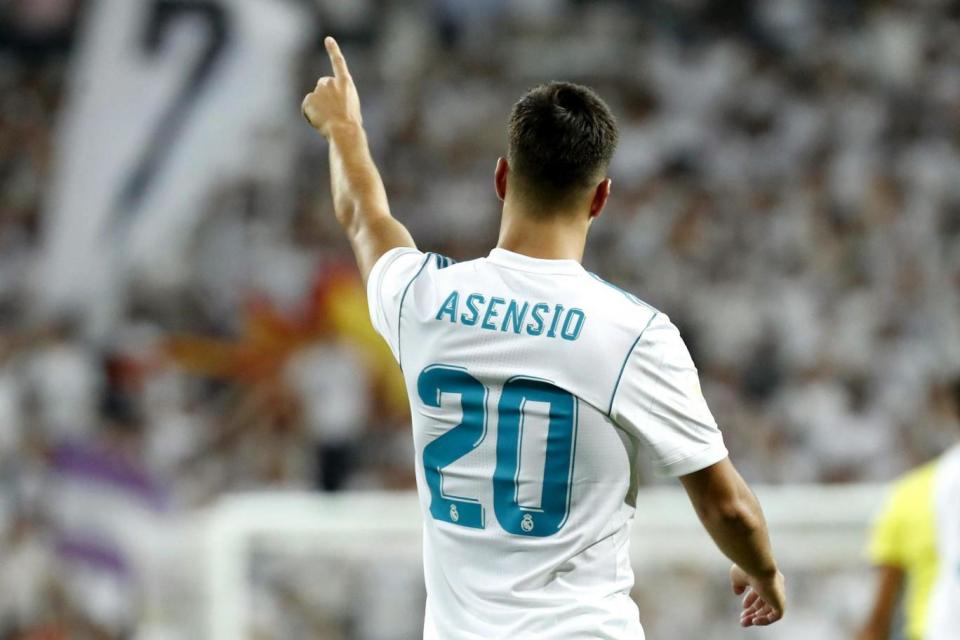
374	238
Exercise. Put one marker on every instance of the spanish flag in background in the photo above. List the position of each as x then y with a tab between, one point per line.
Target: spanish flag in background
336	310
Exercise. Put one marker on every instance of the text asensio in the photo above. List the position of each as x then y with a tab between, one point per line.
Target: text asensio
515	316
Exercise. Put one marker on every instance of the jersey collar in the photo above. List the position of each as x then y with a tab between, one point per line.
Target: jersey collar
520	262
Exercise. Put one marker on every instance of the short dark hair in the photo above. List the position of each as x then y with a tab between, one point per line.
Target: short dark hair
562	137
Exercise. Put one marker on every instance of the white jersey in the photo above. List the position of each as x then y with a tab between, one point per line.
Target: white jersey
534	387
943	622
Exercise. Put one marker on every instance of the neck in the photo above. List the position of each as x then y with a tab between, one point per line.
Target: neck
555	237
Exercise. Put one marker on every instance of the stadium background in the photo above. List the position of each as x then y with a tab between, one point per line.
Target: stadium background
180	319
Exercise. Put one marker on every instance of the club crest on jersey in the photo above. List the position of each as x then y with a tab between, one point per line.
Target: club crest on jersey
526	523
454	514
513	316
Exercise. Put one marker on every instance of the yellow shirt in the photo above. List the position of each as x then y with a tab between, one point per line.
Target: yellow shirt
905	537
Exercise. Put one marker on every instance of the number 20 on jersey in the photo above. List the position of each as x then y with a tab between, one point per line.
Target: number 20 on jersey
466	436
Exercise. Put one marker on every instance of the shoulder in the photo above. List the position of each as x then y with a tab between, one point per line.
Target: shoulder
904	534
915	483
399	267
619	295
439	261
395	262
651	335
622	306
397	281
911	496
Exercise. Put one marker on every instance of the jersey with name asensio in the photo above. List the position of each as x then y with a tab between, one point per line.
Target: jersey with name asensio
534	388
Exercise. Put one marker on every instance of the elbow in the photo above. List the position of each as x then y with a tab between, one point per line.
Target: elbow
357	217
346	214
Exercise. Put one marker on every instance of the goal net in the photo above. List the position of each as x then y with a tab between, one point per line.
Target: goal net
271	566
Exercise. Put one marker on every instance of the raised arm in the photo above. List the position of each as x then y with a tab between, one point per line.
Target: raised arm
359	199
732	515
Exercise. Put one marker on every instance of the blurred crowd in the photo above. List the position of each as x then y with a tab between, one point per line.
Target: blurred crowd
787	189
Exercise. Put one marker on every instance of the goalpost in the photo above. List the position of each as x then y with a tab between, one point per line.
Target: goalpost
815	529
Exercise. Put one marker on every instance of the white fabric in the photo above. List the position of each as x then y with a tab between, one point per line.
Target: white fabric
634	388
944	614
124	85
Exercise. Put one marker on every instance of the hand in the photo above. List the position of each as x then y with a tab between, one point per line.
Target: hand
334	100
765	598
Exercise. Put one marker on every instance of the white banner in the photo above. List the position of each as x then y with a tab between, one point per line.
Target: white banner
168	101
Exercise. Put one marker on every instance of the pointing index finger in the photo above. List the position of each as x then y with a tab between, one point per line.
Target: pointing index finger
336	58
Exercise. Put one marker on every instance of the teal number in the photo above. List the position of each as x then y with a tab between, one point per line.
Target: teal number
469	433
455	443
558	465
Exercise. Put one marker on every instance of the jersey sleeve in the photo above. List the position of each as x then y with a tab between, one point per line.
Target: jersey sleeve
886	538
388	282
658	400
906	526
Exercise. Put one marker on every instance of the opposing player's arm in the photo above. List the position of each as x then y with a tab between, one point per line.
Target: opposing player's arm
880	623
359	198
732	515
895	525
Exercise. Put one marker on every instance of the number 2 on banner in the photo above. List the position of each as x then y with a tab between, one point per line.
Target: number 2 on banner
471	431
163	16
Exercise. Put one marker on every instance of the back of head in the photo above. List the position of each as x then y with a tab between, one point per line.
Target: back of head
562	137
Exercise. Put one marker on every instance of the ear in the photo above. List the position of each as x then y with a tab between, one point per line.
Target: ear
500	178
600	196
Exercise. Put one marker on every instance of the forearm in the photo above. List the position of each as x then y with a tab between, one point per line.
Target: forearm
732	516
740	531
359	197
